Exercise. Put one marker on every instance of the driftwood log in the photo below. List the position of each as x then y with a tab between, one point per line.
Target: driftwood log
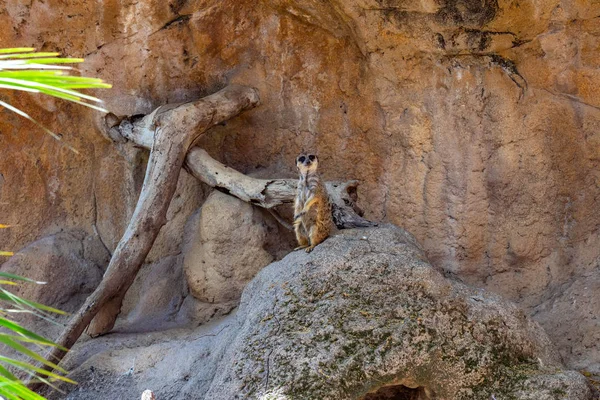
266	193
170	132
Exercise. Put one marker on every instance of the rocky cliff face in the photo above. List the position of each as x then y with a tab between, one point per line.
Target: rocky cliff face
473	124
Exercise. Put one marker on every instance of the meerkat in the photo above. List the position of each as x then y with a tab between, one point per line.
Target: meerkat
312	209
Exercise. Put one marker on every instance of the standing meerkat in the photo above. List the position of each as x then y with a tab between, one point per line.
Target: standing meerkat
312	210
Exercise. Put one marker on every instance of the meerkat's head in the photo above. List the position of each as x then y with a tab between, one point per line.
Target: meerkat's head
307	163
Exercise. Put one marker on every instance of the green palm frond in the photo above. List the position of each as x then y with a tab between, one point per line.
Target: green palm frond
26	70
23	69
21	340
24	342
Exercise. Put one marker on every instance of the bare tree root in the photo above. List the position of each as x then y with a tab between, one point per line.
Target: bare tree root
174	129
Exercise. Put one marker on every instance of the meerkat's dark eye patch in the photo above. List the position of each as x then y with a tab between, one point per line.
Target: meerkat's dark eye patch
301	159
312	157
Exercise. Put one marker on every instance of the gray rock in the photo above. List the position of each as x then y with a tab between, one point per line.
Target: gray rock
362	317
59	260
366	310
176	364
572	320
155	298
64	262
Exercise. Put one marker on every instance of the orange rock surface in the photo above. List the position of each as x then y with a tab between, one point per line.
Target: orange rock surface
475	125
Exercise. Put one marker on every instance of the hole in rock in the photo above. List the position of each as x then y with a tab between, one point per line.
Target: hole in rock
397	392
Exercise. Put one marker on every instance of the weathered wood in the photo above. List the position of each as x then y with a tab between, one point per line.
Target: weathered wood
266	193
171	131
345	211
269	193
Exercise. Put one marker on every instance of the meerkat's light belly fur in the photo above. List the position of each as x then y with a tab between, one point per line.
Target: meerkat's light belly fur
312	210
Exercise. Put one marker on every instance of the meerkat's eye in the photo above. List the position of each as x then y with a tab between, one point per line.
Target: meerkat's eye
301	159
312	158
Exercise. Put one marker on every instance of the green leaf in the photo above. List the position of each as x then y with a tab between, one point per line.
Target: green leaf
13	389
25	70
13	326
24	350
17	50
19	278
40	86
13	87
8	296
38	378
28	55
32	368
7	374
54	60
22	65
27	340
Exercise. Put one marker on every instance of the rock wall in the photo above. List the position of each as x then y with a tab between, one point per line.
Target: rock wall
474	125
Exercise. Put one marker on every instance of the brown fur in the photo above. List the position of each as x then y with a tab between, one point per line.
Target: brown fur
312	209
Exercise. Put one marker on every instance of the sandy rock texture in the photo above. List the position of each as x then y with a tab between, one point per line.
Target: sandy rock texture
475	125
363	313
227	242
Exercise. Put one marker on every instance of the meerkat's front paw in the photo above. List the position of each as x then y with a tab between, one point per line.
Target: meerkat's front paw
309	249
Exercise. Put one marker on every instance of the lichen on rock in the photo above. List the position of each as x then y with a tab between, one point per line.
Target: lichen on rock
362	316
366	310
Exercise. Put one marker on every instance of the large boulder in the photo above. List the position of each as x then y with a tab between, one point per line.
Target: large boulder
364	316
226	243
366	310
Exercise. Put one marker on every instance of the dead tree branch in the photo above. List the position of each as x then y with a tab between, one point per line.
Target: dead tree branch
266	193
171	131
